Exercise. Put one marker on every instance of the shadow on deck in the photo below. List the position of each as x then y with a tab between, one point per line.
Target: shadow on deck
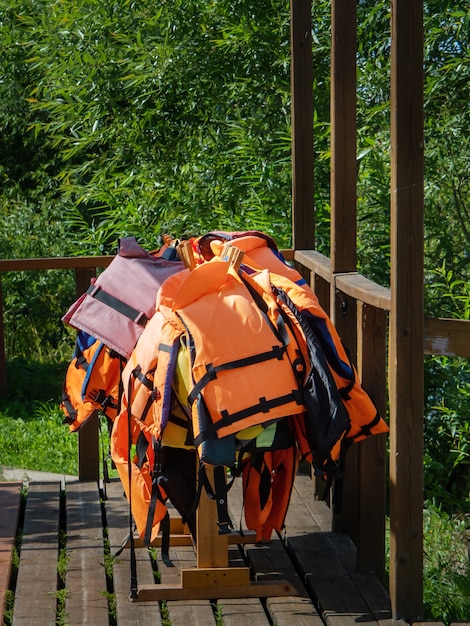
65	571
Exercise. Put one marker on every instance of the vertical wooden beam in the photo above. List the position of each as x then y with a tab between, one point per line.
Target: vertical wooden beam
407	311
343	135
343	213
346	518
88	435
371	365
212	548
322	290
303	217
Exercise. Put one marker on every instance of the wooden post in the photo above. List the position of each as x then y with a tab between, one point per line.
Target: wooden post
88	435
343	136
212	548
343	212
303	215
407	312
88	450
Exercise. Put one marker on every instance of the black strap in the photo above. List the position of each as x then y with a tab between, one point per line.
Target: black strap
142	378
263	406
71	412
277	352
133	594
155	494
125	309
165	545
219	494
366	429
279	328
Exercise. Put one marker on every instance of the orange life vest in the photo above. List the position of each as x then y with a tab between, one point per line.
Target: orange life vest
243	360
92	382
228	355
268	478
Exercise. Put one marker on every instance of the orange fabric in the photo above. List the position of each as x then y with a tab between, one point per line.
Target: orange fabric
277	471
139	488
137	377
359	405
139	373
215	305
102	382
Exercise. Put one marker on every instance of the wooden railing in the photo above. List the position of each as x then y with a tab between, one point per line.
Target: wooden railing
363	325
84	269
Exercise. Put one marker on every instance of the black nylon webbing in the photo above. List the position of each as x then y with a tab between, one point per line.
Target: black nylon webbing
277	352
263	406
125	309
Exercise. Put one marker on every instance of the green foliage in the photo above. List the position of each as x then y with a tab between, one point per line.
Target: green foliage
146	118
33	437
446	566
169	117
447	389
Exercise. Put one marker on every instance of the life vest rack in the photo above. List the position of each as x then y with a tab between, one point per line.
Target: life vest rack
212	556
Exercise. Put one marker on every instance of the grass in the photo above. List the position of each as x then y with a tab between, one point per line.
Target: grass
446	565
33	437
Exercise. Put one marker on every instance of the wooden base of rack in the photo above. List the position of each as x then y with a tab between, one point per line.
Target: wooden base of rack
212	573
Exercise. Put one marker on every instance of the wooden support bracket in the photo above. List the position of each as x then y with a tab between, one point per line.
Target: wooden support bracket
213	576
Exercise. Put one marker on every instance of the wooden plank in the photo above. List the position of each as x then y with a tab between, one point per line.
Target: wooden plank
88	435
303	215
364	290
10	503
321	289
197	612
86	601
303	495
35	594
246	613
346	512
447	336
117	516
350	283
338	599
54	263
376	597
236	611
316	262
327	561
371	365
272	562
368	585
407	312
89	450
212	548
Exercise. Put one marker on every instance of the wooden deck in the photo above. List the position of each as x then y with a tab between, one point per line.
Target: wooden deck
68	534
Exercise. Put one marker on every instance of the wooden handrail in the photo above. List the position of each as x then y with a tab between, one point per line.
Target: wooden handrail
446	336
54	263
